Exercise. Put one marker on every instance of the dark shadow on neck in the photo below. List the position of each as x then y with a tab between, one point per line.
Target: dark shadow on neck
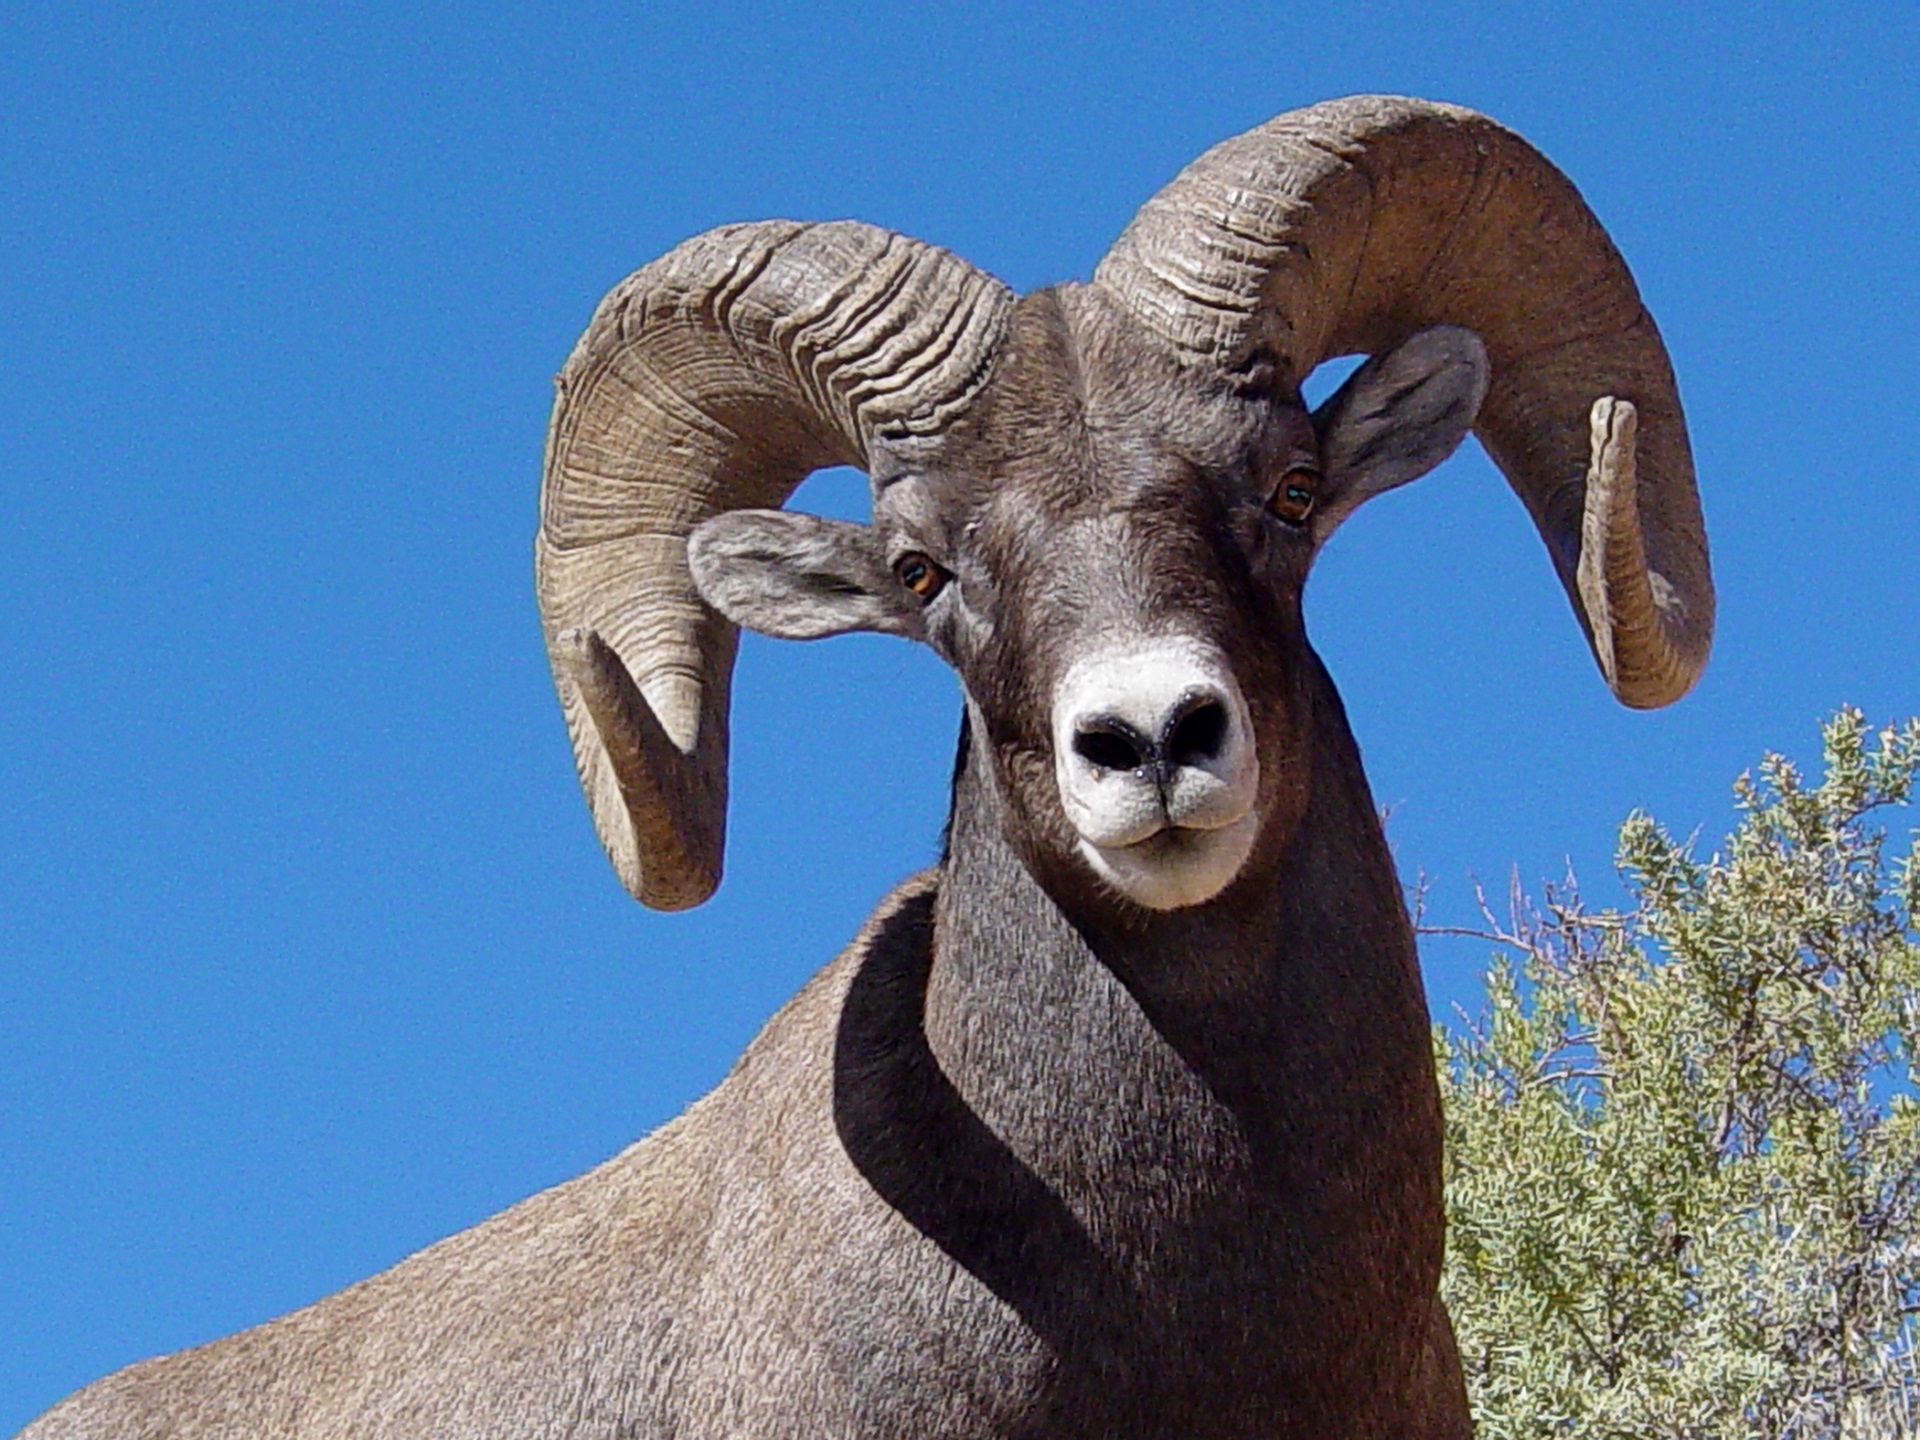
1268	1067
923	1149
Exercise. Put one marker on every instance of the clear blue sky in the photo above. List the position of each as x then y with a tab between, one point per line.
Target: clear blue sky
308	955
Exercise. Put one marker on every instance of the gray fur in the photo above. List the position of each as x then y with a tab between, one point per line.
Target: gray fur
1027	1159
1038	1156
1397	416
798	577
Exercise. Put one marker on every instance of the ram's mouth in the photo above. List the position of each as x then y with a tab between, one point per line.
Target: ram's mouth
1176	865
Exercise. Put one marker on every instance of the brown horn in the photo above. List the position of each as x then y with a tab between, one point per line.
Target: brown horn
717	378
1344	227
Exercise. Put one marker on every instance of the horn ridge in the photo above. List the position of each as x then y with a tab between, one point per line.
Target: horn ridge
715	378
1343	227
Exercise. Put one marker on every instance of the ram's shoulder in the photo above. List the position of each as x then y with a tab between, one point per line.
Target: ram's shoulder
798	1044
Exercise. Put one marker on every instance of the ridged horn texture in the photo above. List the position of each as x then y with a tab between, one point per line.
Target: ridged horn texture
717	378
1341	228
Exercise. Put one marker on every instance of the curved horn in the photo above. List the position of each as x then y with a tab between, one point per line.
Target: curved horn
716	378
1343	227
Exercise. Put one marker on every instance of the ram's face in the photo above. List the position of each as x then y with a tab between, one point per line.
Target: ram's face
1097	559
1110	552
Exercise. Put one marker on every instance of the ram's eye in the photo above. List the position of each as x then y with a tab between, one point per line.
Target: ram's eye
920	575
1292	498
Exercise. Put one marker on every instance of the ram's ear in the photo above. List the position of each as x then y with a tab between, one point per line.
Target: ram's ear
798	577
1397	417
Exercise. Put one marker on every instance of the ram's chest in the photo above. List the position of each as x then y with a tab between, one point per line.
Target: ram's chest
1055	1225
1039	1332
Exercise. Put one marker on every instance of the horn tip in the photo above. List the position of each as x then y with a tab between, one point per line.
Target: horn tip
685	893
665	845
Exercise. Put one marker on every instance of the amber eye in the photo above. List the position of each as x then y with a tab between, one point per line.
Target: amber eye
1292	498
919	574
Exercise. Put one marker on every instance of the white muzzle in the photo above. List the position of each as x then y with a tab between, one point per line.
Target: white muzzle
1154	754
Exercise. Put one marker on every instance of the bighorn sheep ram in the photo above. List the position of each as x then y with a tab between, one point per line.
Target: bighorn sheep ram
1121	1121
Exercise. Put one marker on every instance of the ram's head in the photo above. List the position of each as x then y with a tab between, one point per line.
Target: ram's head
1099	503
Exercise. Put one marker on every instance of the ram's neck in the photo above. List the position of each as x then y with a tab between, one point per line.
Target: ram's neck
1272	1056
1200	1161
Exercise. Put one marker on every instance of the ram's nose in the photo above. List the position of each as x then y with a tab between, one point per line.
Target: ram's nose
1192	733
1153	737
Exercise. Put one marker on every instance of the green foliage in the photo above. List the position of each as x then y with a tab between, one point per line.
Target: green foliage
1683	1171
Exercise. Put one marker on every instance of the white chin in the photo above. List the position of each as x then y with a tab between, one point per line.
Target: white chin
1175	868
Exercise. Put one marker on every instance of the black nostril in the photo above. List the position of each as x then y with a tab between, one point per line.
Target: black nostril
1196	734
1110	744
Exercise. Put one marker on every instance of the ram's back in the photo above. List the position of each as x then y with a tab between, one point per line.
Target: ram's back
666	1292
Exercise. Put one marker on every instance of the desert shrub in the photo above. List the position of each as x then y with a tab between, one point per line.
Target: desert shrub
1683	1170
